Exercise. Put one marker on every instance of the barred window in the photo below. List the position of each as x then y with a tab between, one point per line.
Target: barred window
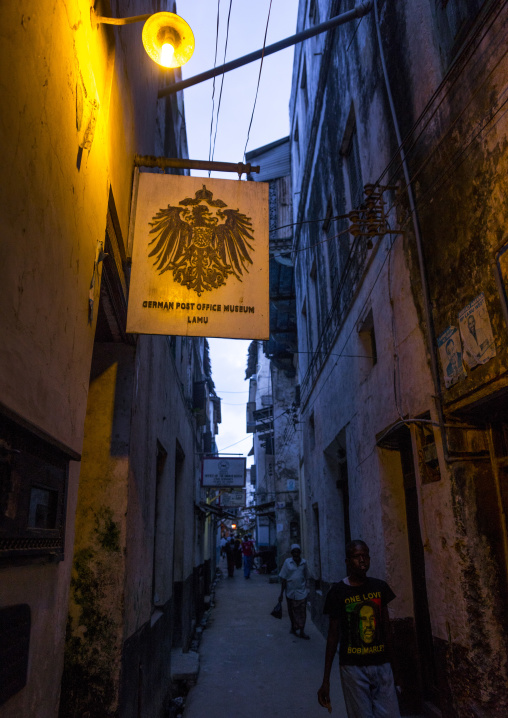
354	170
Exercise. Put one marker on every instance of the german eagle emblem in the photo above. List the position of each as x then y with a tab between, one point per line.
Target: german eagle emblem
201	242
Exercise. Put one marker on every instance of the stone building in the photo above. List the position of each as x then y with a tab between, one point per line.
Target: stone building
101	528
271	366
402	338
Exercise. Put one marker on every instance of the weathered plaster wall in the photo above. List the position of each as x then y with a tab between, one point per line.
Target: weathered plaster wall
458	159
286	459
95	630
45	588
129	616
53	205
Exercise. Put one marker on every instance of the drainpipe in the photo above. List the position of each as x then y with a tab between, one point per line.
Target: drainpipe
421	262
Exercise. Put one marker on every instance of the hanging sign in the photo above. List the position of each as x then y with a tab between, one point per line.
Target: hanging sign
218	472
199	258
233	499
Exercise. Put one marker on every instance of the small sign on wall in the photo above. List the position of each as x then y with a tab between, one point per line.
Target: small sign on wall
199	258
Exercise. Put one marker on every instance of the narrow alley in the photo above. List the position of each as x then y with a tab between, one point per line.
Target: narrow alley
250	665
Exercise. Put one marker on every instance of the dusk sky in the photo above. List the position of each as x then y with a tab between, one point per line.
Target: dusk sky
271	122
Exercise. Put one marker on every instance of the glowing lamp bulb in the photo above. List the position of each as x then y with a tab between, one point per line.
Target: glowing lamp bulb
167	54
168	39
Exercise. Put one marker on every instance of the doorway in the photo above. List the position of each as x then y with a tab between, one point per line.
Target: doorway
426	680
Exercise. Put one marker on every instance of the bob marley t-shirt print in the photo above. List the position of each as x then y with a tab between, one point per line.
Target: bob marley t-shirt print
362	629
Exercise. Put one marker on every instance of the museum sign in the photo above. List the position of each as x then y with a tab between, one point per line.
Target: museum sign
199	258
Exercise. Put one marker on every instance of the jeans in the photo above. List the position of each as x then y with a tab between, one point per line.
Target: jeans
247	565
369	691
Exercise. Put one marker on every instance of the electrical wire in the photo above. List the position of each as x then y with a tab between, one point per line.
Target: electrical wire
311	246
213	86
354	33
234	444
455	163
439	144
222	77
259	77
427	109
341	354
310	221
452	165
359	314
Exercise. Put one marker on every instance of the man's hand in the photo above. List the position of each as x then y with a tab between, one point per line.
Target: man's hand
323	696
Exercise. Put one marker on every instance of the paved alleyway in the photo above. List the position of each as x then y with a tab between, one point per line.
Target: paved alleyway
251	666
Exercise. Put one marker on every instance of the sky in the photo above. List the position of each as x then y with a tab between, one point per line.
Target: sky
271	122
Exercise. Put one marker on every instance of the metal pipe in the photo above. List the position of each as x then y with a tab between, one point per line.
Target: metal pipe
182	164
427	306
359	11
101	20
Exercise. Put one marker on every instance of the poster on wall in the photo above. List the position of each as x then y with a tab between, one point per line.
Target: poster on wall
199	258
450	353
476	332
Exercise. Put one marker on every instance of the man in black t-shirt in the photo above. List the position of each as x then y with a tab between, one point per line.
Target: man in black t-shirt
358	612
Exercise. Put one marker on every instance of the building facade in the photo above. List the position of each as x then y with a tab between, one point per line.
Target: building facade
273	399
101	528
398	146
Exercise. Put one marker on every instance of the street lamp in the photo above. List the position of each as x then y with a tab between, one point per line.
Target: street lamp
166	37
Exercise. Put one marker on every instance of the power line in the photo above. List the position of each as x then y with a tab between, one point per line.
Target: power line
433	97
259	77
222	78
310	221
213	86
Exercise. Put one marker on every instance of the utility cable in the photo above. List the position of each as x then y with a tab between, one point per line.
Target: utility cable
445	138
222	78
259	77
428	107
213	86
310	221
454	163
359	314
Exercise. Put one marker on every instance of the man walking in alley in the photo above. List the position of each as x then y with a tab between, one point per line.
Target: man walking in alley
358	612
294	574
248	551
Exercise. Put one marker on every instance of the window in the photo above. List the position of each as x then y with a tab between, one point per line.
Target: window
454	19
312	431
342	482
158	527
303	83
296	141
330	232
33	486
354	169
368	349
313	12
307	333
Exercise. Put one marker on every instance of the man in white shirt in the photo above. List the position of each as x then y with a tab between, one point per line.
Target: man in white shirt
293	575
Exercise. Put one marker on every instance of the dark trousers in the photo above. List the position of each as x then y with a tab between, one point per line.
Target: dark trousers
297	610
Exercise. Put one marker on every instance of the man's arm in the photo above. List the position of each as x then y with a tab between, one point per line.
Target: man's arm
331	649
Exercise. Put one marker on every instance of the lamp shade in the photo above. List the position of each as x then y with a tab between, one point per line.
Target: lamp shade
164	31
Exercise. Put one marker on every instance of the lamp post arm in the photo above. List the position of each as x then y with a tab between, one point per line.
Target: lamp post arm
101	20
359	11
